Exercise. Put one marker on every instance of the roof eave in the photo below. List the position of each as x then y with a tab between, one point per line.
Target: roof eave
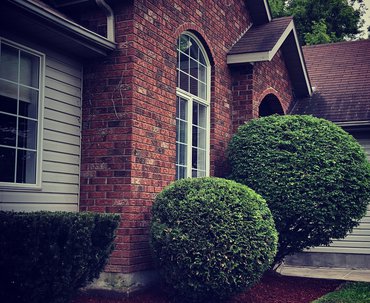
268	55
93	42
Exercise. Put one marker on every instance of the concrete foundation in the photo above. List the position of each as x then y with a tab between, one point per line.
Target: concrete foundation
117	283
337	260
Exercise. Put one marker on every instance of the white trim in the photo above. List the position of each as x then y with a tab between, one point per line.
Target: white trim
353	123
309	88
64	23
267	10
40	118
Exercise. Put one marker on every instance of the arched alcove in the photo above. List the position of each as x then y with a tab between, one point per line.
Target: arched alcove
270	105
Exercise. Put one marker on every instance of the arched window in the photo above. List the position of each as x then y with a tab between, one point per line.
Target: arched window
192	108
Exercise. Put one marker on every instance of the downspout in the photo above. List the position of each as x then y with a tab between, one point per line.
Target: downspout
110	19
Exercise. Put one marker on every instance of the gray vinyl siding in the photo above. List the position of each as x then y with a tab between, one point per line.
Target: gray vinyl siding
358	242
60	144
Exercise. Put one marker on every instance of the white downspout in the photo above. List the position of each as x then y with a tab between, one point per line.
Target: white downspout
110	19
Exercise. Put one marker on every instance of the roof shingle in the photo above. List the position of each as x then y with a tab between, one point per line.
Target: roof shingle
340	73
261	38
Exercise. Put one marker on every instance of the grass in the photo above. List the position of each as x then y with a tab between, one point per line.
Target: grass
351	292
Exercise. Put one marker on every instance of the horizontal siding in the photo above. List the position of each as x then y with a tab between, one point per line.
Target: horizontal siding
357	242
61	142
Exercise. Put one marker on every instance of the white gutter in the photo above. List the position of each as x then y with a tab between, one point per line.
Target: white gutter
110	19
353	123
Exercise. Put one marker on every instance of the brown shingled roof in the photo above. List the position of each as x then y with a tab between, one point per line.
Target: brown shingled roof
340	73
261	38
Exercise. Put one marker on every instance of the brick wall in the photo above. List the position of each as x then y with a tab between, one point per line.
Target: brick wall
251	83
129	108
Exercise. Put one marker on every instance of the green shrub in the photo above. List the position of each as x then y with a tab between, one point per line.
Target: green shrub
211	237
47	256
313	175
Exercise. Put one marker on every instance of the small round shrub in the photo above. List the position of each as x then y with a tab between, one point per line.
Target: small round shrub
211	237
313	175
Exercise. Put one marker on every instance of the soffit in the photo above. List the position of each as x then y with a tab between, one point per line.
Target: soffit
46	25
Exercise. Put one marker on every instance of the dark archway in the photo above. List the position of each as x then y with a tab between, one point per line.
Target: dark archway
270	105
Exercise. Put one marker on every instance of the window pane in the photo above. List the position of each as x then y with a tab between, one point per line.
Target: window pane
9	63
202	116
202	73
195	113
28	99
195	136
8	97
201	138
27	133
193	86
8	125
181	152
194	158
26	166
201	160
202	91
29	69
202	59
184	43
181	108
184	81
194	48
183	131
180	172
7	163
184	63
194	68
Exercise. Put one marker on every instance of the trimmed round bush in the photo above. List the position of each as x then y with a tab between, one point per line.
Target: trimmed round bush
211	238
47	256
313	175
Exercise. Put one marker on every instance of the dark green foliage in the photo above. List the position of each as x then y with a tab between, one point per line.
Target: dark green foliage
47	256
313	175
211	237
322	21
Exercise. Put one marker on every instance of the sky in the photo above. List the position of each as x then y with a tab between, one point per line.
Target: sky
367	16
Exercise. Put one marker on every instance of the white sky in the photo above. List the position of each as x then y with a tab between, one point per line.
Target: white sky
367	16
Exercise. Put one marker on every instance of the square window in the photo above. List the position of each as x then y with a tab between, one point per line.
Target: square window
20	76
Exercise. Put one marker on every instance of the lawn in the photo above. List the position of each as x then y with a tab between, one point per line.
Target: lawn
351	292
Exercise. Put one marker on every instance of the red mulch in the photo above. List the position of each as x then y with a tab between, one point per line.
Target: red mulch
271	289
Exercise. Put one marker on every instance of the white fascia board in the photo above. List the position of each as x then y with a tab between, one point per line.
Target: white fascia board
248	57
301	59
353	123
268	13
65	24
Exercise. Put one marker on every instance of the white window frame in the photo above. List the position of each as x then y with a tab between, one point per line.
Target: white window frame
40	118
191	99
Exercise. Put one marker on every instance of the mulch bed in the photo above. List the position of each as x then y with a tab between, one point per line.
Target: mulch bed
272	289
